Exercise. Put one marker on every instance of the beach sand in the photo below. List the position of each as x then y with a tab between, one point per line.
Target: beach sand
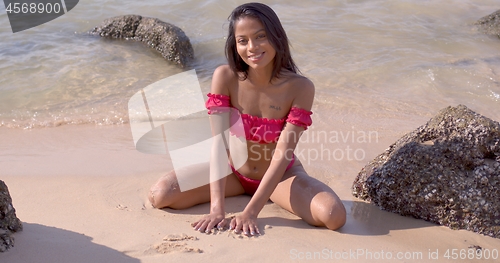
80	192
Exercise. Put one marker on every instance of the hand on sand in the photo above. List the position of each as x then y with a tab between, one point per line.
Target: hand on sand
208	222
245	223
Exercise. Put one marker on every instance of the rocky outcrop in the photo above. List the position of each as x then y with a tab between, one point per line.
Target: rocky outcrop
490	24
166	38
446	171
8	220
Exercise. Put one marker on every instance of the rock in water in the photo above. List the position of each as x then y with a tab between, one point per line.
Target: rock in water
446	171
8	220
166	38
490	24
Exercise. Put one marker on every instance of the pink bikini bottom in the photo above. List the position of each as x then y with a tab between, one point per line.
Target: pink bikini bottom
251	185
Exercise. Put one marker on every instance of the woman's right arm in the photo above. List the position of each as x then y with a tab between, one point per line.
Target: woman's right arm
219	122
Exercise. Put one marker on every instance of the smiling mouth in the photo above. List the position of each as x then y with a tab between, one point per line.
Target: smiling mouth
256	57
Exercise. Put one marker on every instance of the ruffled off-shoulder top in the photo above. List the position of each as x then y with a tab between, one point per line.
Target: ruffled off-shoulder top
258	129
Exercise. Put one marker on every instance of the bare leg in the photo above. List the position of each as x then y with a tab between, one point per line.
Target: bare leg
166	192
310	199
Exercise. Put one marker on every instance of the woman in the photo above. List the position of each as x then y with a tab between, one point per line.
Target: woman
262	83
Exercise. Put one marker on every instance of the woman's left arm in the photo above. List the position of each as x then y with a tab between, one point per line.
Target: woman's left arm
283	154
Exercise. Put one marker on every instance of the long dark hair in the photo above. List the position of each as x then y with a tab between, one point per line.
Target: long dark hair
276	35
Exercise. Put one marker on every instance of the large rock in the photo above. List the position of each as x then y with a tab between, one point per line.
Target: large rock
166	38
490	24
446	171
8	220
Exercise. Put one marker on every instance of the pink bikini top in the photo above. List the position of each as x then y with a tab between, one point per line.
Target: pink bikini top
258	129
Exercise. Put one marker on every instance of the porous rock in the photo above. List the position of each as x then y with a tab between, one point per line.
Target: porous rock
490	24
166	38
9	222
446	171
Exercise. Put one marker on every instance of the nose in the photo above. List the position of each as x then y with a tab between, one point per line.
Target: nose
252	45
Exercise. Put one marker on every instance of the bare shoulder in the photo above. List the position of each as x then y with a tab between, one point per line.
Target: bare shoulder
298	82
302	83
222	79
224	71
303	89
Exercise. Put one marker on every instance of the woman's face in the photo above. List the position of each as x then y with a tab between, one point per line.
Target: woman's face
252	43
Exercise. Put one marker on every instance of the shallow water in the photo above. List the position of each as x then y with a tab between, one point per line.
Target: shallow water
377	65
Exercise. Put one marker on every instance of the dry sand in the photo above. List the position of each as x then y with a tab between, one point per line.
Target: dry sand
81	194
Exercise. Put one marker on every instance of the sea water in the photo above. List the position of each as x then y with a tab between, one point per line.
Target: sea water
375	63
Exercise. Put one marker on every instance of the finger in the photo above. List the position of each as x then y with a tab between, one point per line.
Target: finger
221	224
203	226
198	222
237	227
253	231
246	230
257	231
211	225
198	225
232	224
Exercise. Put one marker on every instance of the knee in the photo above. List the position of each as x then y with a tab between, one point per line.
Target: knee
163	193
337	217
333	215
154	196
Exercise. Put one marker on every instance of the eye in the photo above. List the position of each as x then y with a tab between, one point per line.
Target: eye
242	41
261	36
